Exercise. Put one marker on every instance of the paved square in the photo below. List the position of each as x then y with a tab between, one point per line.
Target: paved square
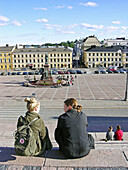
86	87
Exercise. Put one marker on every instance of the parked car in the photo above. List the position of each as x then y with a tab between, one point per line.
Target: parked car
17	69
31	73
116	71
67	72
54	72
72	71
103	72
3	73
60	72
109	71
24	69
14	73
19	73
79	72
122	71
25	73
9	73
96	72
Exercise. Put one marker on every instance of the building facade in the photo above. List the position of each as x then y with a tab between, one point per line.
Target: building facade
106	56
35	57
90	41
6	57
115	42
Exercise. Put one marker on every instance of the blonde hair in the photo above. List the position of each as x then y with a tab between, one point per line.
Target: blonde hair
32	103
72	102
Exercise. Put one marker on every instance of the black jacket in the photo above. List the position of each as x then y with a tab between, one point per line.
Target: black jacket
71	134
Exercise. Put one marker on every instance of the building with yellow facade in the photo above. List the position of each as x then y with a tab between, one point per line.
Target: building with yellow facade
35	57
6	57
106	56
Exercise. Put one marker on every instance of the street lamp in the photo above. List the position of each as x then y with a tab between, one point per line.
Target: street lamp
126	94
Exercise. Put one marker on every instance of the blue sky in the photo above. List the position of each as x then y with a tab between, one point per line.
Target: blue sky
54	21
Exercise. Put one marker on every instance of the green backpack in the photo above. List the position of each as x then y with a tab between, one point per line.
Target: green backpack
25	142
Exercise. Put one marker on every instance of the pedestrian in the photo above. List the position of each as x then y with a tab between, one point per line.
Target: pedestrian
110	134
119	133
71	132
37	126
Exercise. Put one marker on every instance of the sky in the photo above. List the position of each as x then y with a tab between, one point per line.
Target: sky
54	21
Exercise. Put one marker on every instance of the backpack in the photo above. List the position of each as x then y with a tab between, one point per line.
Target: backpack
25	142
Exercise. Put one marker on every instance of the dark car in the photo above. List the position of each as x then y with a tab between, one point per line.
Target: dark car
30	73
79	72
109	71
13	73
19	73
9	73
72	71
116	71
25	73
103	72
96	72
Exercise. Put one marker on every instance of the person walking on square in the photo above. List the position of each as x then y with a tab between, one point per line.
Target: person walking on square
36	123
119	133
110	133
71	132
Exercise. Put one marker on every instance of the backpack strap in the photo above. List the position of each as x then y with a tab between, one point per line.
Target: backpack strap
32	121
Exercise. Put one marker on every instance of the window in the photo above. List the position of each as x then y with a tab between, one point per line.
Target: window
51	55
100	54
58	55
97	54
14	61
61	55
5	60
100	59
119	59
22	61
68	60
108	59
18	61
14	56
51	60
112	54
41	60
38	60
97	59
104	54
93	59
30	55
38	55
89	59
33	55
18	56
34	60
61	60
108	54
26	56
89	54
54	60
112	59
104	59
0	60
22	56
54	55
115	59
93	54
69	55
9	60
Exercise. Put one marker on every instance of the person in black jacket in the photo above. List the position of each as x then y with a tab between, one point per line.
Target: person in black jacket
71	132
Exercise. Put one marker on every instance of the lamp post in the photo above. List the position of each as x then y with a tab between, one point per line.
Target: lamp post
126	94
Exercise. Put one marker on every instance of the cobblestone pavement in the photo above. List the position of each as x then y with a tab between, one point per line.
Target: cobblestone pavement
86	87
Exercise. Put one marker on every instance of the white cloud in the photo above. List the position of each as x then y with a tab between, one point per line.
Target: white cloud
112	28
116	22
124	28
44	9
89	26
57	7
65	32
92	4
4	19
16	23
3	24
70	7
42	20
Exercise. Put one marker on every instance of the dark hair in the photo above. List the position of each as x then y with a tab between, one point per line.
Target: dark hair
72	102
118	127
